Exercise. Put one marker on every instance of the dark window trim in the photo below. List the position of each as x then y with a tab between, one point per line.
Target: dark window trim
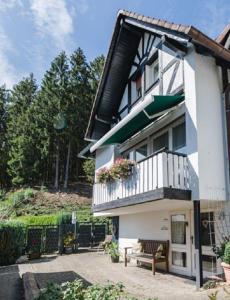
185	142
151	86
153	57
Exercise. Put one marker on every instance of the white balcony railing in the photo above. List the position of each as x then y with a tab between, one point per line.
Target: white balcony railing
164	169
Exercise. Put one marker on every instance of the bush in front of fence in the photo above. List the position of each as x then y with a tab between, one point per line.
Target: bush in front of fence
52	219
12	242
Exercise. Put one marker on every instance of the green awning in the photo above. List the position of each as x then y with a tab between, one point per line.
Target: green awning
138	119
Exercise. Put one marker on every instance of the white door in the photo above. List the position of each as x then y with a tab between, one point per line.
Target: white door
180	246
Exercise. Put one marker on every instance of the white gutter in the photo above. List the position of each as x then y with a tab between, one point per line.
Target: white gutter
136	110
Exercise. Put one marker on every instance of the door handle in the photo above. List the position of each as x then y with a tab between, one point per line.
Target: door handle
192	239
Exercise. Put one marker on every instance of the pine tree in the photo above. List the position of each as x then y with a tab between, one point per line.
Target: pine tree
22	155
4	178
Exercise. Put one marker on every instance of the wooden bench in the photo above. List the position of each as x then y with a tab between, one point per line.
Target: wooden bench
149	253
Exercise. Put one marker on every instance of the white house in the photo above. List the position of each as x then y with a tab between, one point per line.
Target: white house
163	101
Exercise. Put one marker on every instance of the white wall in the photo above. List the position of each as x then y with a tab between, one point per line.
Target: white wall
146	225
210	130
105	157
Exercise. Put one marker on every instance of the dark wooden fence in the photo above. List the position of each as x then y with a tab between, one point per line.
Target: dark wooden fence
50	238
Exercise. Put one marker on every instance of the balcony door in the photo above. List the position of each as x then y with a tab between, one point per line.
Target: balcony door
180	250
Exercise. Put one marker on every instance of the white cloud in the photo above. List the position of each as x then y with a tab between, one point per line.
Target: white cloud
9	4
8	74
53	20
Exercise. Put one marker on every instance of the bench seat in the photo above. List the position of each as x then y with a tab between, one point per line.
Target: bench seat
150	254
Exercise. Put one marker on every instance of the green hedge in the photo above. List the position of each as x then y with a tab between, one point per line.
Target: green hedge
53	219
12	242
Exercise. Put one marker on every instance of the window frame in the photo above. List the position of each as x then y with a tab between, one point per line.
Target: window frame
180	122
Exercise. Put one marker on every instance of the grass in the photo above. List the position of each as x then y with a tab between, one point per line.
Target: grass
32	207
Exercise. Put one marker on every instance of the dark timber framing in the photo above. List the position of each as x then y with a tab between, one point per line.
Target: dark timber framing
198	248
155	195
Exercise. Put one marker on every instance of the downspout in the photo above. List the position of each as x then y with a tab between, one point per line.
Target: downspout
225	109
226	143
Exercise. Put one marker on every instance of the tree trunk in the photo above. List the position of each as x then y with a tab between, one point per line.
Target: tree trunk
67	166
56	183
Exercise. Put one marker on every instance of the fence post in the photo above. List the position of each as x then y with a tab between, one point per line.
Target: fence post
60	239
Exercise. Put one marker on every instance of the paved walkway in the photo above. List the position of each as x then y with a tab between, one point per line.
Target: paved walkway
10	283
96	268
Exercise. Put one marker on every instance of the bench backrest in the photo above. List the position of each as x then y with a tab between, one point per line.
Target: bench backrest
149	246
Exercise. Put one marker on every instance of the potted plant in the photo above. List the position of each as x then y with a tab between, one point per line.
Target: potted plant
69	241
122	168
226	262
113	250
34	250
103	175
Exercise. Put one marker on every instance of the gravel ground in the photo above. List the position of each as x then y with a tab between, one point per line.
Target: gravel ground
95	267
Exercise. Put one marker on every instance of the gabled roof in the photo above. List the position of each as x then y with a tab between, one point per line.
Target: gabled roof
222	38
125	39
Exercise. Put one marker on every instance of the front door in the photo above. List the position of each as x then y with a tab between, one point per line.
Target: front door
180	250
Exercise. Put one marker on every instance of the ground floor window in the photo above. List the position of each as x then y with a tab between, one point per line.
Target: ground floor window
209	263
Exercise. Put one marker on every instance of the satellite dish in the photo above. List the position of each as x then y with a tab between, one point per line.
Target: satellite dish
60	121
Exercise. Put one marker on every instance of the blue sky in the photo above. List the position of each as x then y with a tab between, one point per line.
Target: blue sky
33	32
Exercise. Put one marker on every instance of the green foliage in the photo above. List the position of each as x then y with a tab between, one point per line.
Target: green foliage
213	296
51	292
4	146
219	250
53	219
210	284
73	290
89	169
42	129
12	241
103	175
77	291
112	249
121	169
2	195
69	239
226	258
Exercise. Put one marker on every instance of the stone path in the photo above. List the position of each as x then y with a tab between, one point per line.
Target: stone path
95	267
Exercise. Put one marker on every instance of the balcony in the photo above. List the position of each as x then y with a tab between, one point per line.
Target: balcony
159	176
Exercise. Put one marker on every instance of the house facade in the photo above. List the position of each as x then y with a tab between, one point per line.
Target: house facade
163	102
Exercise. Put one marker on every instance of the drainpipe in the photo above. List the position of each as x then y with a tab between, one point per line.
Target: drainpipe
225	144
198	247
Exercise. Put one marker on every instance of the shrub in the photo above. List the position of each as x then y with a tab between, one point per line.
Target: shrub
227	253
112	249
2	195
53	219
89	169
12	242
219	250
76	291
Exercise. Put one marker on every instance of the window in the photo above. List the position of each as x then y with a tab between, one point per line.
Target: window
179	259
161	142
178	229
207	229
209	263
152	71
141	152
179	136
138	87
